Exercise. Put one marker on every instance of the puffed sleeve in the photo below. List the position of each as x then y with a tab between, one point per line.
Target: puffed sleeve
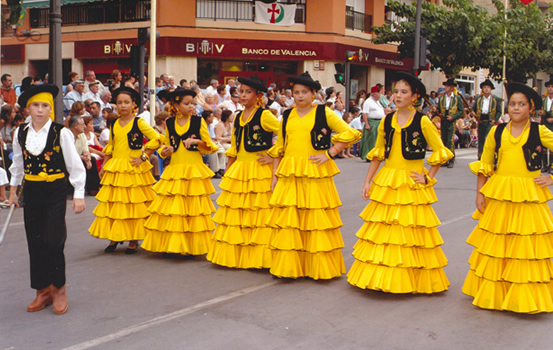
485	165
278	148
209	146
154	138
269	121
440	154
344	132
379	150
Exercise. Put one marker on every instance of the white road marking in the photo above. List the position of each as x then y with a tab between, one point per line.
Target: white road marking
168	317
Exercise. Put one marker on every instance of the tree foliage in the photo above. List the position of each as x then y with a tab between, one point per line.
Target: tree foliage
466	35
15	11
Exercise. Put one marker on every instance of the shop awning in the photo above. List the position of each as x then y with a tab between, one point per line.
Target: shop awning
43	3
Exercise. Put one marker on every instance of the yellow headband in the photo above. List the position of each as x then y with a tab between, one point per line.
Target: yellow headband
43	97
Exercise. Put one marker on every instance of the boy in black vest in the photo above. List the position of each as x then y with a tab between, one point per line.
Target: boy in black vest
43	152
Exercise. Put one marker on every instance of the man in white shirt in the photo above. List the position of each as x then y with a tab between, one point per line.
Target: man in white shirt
105	99
279	105
93	91
48	149
90	77
212	89
546	114
372	114
77	94
289	99
488	109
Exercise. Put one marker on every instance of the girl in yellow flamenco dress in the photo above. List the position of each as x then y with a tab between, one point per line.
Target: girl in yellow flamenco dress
180	221
306	239
126	178
398	250
510	266
241	239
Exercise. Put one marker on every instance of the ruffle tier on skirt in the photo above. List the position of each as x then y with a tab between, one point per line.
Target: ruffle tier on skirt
123	201
510	266
398	250
241	238
306	239
180	220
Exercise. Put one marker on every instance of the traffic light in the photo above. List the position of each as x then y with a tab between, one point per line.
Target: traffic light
351	56
144	35
424	52
340	75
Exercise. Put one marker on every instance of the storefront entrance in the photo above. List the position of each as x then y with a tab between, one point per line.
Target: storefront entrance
268	71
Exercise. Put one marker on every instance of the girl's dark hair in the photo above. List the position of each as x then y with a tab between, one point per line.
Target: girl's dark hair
6	111
225	115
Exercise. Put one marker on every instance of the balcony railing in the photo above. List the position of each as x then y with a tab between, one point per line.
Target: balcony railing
239	10
358	21
112	11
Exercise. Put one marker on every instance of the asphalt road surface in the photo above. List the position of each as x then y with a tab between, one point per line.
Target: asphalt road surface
145	301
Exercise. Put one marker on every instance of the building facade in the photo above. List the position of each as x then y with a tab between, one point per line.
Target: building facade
207	39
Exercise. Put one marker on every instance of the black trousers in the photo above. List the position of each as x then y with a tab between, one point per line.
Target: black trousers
44	215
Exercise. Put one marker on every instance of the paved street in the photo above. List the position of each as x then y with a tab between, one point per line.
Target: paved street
147	302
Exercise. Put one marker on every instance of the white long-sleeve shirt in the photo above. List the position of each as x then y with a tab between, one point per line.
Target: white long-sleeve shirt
35	144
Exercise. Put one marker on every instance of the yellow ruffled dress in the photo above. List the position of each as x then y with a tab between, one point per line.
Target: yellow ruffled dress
241	239
126	189
398	250
306	239
180	220
510	267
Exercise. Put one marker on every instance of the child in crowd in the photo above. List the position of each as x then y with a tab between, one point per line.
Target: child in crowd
180	221
510	267
242	236
398	248
306	239
42	150
126	178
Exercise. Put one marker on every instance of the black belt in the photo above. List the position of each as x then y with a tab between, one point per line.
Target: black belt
484	116
373	119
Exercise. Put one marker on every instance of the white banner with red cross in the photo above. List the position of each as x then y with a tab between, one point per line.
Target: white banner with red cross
275	13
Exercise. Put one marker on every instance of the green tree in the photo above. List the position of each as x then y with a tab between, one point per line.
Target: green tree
15	11
528	45
461	34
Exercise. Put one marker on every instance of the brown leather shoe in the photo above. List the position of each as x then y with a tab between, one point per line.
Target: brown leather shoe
60	300
43	298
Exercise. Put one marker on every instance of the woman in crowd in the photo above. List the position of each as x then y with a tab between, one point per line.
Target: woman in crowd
180	221
126	178
398	248
223	129
242	236
306	239
117	80
510	267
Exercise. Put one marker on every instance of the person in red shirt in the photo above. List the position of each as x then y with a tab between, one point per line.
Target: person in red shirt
8	93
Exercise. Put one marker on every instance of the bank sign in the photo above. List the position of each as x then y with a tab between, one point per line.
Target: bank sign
242	49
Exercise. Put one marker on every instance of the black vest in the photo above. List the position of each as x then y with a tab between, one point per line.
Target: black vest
413	142
531	149
50	161
255	137
194	129
321	133
135	137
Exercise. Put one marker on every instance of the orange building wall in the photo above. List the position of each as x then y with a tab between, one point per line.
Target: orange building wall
176	12
376	9
325	16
